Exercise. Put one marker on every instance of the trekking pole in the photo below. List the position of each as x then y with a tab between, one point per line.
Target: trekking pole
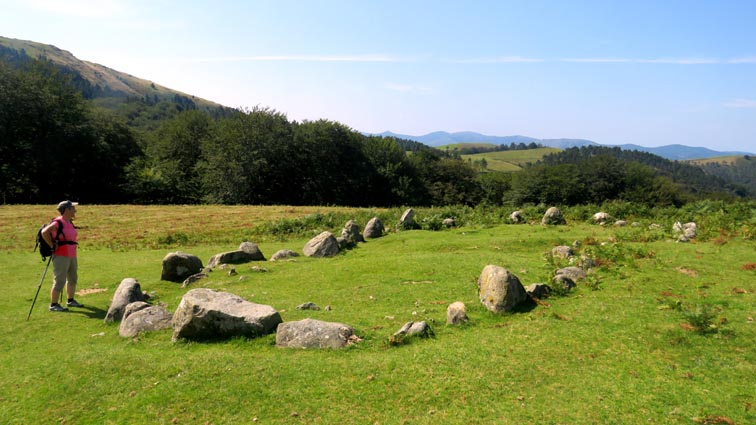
38	287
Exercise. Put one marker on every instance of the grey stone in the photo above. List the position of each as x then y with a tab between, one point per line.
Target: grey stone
418	329
564	281
553	216
128	291
499	290
310	333
574	273
152	318
246	253
456	313
538	290
177	266
204	314
283	254
323	245
373	229
133	308
194	278
351	232
562	251
601	218
516	217
308	306
407	219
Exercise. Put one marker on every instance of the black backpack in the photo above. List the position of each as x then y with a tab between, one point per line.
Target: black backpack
46	250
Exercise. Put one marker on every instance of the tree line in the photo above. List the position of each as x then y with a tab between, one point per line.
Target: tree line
57	144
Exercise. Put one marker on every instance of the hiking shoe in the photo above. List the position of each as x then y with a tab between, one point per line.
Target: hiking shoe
57	307
74	303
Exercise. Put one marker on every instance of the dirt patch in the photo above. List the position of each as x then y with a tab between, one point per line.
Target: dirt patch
90	291
749	266
687	271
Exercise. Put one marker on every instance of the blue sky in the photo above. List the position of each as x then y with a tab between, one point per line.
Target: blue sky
646	72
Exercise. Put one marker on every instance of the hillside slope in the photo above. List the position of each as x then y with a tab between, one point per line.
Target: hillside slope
101	81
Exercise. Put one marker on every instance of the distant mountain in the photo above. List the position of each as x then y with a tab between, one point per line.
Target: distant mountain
440	138
682	152
672	152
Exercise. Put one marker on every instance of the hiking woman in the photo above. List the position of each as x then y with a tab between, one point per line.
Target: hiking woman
65	265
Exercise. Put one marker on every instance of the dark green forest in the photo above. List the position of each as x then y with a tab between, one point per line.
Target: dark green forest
61	138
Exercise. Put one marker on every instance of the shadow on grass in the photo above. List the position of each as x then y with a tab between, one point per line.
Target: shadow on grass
90	311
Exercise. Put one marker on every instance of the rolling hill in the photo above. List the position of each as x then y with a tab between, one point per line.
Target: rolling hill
673	152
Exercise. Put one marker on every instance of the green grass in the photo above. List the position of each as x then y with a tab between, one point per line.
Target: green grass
624	353
510	161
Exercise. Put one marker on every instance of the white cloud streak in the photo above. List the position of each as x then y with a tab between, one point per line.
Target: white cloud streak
747	59
498	59
741	103
609	60
302	58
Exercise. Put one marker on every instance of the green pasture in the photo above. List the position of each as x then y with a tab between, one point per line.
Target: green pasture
509	161
662	332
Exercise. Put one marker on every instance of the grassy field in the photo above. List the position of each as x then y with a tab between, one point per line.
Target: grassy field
663	332
509	161
724	160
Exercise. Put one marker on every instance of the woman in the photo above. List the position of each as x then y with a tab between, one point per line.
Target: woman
65	265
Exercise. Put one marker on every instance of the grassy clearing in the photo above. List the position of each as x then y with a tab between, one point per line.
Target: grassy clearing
625	350
508	161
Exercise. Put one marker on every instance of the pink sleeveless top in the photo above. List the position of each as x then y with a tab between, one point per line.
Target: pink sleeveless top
69	234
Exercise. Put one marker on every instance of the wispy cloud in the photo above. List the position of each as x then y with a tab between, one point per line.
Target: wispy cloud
746	59
741	103
497	59
303	58
664	61
681	61
595	60
408	88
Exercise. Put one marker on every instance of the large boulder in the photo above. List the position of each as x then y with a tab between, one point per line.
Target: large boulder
499	290
323	245
553	216
177	266
246	253
311	333
204	314
128	291
373	229
151	318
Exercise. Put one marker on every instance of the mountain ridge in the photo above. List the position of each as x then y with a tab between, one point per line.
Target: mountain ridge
672	152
